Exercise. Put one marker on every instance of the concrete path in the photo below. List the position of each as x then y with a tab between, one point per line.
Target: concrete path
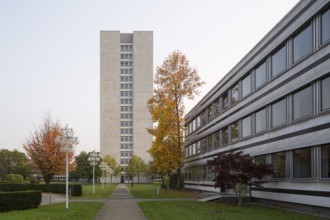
121	206
48	198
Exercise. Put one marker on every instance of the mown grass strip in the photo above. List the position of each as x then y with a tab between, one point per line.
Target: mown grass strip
150	191
56	211
189	210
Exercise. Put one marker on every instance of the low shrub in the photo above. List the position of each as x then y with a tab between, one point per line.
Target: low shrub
15	178
76	189
19	200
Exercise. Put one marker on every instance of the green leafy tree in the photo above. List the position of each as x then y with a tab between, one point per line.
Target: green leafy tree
14	162
174	81
238	172
83	168
136	167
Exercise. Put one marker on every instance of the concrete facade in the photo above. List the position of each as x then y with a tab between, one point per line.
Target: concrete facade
126	84
291	106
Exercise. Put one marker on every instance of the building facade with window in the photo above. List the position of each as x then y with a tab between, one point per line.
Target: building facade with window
126	84
274	105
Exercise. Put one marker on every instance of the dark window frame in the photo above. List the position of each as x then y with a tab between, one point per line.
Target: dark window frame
263	62
254	131
226	93
231	133
321	165
311	163
311	103
286	113
326	10
280	47
251	85
274	176
298	32
251	129
321	95
231	94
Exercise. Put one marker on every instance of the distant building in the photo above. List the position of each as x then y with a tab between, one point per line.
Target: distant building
126	84
274	105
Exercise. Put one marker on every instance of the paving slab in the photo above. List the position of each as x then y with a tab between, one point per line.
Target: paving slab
121	206
49	198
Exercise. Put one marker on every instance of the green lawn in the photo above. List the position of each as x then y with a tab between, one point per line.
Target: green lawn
181	210
150	191
87	191
57	211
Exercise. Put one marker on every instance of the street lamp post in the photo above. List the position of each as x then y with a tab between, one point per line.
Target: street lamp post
94	158
66	140
103	167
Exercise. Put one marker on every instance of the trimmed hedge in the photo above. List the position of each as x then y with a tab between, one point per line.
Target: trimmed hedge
19	200
76	189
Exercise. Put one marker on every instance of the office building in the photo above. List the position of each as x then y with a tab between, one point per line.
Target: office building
126	84
275	106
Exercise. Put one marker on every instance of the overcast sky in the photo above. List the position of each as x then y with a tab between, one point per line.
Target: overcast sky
49	52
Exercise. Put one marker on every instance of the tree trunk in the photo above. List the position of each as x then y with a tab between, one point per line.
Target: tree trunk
178	180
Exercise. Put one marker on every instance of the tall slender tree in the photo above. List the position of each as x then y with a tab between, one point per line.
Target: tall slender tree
113	164
174	81
44	153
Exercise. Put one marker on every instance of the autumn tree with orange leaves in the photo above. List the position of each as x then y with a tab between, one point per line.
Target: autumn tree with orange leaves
44	153
174	81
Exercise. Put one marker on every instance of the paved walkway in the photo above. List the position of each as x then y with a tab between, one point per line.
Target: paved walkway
48	198
121	206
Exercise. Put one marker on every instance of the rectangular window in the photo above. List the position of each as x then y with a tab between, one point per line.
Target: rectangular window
203	145
260	159
234	95
325	161
325	26
209	142
198	147
210	173
225	103
193	149
190	127
261	120
279	113
198	122
302	43
246	86
325	94
225	135
209	112
246	127
302	163
234	131
216	139
203	118
261	75
302	103
278	61
216	107
278	162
